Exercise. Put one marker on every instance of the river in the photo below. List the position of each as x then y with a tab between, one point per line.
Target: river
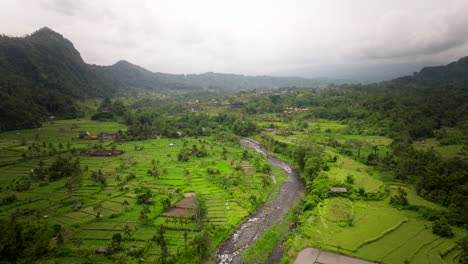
230	249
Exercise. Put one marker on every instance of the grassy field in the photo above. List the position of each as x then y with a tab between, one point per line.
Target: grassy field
230	192
446	151
364	176
413	197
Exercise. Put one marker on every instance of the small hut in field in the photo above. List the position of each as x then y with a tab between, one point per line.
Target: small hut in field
339	189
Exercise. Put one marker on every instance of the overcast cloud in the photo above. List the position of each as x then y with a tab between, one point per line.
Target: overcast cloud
248	36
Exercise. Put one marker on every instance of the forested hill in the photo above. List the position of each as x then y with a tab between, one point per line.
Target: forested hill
128	75
49	60
46	60
455	73
43	74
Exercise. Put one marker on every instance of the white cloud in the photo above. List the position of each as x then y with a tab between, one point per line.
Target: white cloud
251	37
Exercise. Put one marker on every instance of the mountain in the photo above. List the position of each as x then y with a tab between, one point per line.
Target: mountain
133	76
49	61
455	73
43	74
40	74
126	75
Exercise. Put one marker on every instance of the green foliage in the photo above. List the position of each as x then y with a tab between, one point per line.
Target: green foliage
199	211
400	198
98	177
442	228
119	107
160	239
264	246
463	245
24	240
60	168
106	104
244	128
144	195
144	215
116	240
435	179
102	116
349	179
201	245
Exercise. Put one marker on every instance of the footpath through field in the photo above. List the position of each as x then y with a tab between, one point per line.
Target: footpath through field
230	250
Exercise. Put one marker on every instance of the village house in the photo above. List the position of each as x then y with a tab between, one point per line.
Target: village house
103	250
339	189
107	136
84	135
292	110
108	108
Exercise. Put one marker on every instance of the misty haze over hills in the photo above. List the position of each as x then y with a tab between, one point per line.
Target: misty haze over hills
361	73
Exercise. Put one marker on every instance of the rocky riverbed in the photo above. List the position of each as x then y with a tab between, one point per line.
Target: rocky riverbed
229	251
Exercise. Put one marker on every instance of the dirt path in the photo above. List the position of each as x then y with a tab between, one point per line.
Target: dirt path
229	251
314	255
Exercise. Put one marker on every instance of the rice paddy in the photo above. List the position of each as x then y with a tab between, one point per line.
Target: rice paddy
91	213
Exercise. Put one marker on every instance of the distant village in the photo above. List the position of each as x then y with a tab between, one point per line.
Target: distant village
100	153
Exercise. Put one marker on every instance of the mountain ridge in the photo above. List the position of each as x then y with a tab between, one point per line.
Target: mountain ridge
43	74
454	73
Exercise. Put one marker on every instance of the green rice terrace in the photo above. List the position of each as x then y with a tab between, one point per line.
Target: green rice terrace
360	214
181	184
104	199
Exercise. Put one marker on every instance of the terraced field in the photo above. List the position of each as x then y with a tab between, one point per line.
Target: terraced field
371	230
364	176
229	194
378	233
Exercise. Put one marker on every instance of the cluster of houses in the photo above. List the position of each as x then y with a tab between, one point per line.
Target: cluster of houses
108	108
262	92
214	102
87	135
102	153
294	110
105	153
99	153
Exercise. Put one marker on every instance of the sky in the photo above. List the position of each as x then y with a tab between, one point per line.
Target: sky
256	37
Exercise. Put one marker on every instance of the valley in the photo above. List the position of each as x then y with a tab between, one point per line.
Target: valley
118	164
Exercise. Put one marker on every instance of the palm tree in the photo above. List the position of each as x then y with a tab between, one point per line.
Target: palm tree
160	240
199	211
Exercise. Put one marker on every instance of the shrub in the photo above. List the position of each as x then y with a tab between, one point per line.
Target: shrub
145	196
102	116
442	228
350	179
400	198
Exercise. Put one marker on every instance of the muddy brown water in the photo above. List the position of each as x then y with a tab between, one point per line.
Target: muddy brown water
230	250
